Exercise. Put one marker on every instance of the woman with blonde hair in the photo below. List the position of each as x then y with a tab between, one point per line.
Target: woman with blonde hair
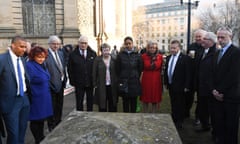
151	78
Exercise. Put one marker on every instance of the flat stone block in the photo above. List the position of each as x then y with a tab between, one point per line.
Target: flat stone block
114	128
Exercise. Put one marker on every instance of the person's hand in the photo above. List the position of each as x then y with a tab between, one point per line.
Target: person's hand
218	96
186	90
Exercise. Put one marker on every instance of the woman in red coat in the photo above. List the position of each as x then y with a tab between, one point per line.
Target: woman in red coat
151	78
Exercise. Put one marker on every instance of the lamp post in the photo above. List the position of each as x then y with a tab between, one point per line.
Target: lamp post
189	4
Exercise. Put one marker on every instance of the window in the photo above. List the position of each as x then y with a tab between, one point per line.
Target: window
38	17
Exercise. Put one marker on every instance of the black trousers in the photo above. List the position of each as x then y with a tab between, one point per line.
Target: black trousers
177	100
37	129
79	93
189	102
57	102
226	122
110	106
204	112
129	104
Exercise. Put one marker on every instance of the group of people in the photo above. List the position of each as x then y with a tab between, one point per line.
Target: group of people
32	83
211	70
32	87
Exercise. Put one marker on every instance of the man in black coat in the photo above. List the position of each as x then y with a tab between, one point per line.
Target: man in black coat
204	79
177	80
226	88
194	50
80	66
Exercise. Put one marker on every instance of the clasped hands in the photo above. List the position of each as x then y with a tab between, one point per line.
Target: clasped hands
217	95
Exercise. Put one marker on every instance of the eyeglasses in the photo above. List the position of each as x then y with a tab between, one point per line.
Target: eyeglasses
221	37
55	43
206	39
82	42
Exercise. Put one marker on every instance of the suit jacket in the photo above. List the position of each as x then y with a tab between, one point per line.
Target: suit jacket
56	81
226	74
8	82
204	72
181	76
80	69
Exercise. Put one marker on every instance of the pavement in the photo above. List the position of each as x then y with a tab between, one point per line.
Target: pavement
68	106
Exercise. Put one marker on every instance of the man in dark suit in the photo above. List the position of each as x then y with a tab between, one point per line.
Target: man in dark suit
14	101
80	66
177	79
55	64
194	50
226	88
204	78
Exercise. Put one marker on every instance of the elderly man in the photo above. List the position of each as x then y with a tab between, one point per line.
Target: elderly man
80	66
204	78
226	88
55	64
194	50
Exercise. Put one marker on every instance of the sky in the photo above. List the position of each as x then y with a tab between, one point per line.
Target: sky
202	3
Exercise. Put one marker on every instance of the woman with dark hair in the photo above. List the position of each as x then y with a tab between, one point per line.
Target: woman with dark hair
151	78
41	102
129	69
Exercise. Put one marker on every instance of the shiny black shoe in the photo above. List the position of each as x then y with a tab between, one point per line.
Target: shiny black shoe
197	122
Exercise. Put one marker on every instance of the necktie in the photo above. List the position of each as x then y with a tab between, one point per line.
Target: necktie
83	54
58	62
220	54
171	70
20	79
204	55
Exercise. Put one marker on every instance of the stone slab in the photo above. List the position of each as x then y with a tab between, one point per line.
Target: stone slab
114	128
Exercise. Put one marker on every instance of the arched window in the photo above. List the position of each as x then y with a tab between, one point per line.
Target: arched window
39	17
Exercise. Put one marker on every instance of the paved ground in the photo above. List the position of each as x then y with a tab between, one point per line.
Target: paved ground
188	135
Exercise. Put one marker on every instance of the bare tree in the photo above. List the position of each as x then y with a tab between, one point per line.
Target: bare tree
222	14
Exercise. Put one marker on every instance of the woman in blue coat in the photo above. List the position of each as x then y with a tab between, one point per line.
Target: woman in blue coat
41	103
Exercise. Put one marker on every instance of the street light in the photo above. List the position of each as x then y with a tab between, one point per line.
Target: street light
189	4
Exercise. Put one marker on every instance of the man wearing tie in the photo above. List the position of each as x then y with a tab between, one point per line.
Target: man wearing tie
203	73
226	88
177	80
14	101
55	64
80	66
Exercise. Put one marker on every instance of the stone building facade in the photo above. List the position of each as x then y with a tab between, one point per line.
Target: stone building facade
36	20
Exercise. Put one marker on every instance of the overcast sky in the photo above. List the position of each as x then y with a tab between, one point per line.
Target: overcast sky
202	3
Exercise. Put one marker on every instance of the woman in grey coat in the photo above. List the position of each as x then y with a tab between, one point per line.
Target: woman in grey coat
105	80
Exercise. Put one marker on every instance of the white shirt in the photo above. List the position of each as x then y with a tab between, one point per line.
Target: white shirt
14	61
174	63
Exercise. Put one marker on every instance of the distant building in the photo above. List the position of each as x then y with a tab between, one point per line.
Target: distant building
161	23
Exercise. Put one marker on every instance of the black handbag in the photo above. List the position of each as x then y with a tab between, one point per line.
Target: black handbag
123	86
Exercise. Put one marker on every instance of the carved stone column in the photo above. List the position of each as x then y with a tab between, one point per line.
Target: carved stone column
70	31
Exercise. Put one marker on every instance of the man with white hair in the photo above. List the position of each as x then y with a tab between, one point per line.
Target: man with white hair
203	80
55	64
226	88
80	66
194	50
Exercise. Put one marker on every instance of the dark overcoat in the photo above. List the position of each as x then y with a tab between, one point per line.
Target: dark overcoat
99	81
